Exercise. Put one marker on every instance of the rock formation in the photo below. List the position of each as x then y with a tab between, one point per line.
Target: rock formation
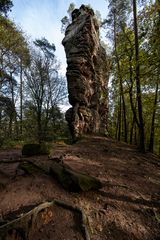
87	74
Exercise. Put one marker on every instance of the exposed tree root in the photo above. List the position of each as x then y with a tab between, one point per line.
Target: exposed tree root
24	225
70	179
84	219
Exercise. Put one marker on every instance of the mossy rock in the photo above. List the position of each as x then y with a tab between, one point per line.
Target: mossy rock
30	168
35	149
72	180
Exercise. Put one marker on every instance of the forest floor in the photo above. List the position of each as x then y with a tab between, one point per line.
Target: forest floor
126	208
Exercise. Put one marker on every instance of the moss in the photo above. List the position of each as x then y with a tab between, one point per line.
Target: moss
29	168
45	148
31	149
72	180
35	149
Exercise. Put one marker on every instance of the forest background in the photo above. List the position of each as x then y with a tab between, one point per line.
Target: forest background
32	87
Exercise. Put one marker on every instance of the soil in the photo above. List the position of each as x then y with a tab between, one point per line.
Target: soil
126	208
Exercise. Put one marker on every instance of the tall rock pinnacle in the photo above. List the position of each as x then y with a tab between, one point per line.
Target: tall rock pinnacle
87	74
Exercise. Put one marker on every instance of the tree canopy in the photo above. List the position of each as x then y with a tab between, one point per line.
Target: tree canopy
31	85
5	6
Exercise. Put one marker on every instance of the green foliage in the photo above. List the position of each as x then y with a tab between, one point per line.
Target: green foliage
29	168
5	6
31	149
28	73
71	8
12	39
8	143
66	20
123	84
41	118
45	89
14	54
45	148
47	48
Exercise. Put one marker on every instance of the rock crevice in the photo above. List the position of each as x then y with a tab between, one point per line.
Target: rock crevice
87	74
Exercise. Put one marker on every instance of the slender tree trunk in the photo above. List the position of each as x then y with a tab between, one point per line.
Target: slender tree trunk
11	117
21	97
131	131
117	126
135	134
131	94
39	125
138	84
124	112
119	118
151	142
121	88
0	119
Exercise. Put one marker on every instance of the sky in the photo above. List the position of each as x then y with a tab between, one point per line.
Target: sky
42	18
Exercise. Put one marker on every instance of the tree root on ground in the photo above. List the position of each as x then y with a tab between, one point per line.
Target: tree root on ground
23	226
69	179
84	219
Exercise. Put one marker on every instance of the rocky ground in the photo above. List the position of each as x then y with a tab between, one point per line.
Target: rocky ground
127	207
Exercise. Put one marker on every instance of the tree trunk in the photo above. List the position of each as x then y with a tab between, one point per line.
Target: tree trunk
39	124
117	126
124	113
131	93
21	97
151	142
138	84
11	117
131	131
119	119
135	134
122	100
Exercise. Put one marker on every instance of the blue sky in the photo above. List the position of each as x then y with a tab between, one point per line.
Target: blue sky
42	18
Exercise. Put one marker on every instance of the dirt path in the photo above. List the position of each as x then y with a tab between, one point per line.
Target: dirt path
128	205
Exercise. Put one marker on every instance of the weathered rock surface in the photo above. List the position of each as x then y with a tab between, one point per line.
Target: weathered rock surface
87	74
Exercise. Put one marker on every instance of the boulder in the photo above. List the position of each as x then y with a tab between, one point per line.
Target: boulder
32	149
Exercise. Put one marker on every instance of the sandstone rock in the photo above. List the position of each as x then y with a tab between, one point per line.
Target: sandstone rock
87	74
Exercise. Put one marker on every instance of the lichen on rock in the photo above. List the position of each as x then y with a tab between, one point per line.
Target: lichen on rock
87	74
